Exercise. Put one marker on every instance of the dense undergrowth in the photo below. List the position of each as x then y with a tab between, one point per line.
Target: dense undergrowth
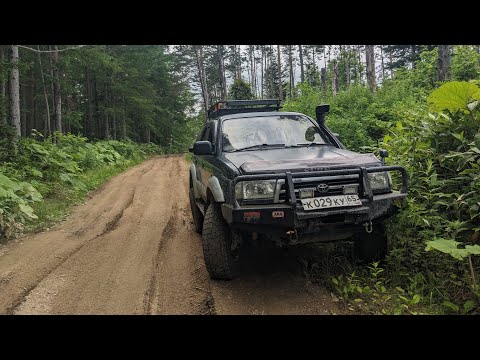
433	130
39	179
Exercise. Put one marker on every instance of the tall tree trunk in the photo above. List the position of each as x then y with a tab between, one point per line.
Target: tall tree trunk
201	73
360	74
98	130
89	126
15	91
124	122
239	62
3	89
57	96
23	110
290	64
252	70
147	135
280	87
223	84
335	83
262	94
302	72
370	64
323	81
234	59
30	105
49	68
34	123
347	66
383	64
106	104
414	52
390	63
114	126
46	126
270	59
443	62
324	56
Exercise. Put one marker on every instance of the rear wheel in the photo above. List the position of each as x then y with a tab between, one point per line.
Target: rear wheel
373	246
196	213
221	262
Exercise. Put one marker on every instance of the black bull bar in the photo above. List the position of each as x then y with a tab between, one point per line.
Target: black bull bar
364	189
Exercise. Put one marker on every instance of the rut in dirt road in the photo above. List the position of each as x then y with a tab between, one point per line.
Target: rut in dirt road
131	249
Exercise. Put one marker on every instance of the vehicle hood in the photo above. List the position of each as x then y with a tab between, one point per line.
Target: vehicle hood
298	159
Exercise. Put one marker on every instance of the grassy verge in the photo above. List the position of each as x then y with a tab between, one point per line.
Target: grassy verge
369	288
58	204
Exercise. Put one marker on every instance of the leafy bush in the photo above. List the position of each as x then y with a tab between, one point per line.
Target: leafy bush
43	168
440	152
465	63
15	200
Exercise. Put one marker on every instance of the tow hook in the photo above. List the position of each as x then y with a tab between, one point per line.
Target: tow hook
293	235
368	227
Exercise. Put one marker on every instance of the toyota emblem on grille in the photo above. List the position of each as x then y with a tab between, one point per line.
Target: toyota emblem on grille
322	188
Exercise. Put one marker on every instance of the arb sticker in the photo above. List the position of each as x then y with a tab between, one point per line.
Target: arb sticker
278	214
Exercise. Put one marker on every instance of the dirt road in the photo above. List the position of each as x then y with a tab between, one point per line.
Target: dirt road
131	249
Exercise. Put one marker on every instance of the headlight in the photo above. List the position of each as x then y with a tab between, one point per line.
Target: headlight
256	189
380	181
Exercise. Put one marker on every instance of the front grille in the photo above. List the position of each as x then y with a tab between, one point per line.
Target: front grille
335	185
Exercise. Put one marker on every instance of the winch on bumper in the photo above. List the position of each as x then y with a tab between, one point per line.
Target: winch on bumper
290	220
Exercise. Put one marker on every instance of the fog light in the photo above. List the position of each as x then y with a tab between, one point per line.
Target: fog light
306	193
350	189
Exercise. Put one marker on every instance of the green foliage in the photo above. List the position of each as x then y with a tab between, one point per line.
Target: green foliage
360	117
450	247
240	90
439	150
42	169
15	200
370	292
435	135
454	96
465	63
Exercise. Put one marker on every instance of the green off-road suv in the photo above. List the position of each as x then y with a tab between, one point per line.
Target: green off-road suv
283	178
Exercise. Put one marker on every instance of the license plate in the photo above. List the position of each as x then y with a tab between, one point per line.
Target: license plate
330	202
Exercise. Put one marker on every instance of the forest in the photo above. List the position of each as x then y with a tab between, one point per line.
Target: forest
72	116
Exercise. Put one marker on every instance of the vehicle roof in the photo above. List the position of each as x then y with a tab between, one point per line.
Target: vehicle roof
257	114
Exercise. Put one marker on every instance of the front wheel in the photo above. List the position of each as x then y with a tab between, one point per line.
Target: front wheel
373	246
221	262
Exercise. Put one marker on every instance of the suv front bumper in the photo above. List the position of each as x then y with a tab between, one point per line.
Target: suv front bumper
281	217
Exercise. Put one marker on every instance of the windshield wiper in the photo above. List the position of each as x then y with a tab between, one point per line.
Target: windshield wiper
260	146
309	144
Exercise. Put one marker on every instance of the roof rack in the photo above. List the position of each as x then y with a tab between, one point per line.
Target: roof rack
227	107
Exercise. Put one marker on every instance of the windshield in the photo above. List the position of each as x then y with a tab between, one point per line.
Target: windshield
287	130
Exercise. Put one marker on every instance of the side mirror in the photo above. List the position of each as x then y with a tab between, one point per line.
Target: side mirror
202	148
383	155
337	135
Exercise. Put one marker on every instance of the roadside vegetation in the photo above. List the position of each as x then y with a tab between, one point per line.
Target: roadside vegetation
432	129
43	179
